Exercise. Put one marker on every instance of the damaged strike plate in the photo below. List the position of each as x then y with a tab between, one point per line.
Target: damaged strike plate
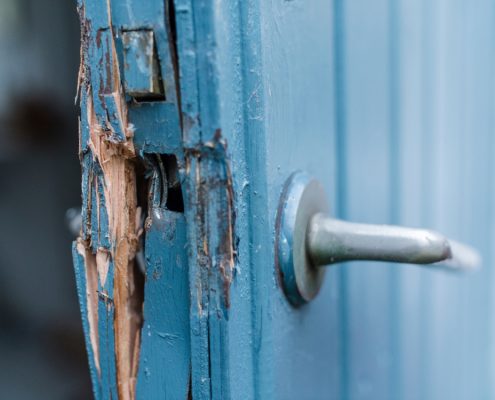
142	78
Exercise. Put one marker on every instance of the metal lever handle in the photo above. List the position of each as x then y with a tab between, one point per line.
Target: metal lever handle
307	239
331	240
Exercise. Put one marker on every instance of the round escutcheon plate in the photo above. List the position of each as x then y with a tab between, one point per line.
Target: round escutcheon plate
301	199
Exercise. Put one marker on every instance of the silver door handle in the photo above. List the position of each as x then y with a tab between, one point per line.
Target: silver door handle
308	239
331	240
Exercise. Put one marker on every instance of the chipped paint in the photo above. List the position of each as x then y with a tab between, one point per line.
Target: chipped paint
92	298
209	207
215	192
114	155
189	268
209	202
116	161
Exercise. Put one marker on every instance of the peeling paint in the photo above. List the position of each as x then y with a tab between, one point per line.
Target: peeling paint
85	38
116	162
114	153
209	207
115	157
216	182
92	298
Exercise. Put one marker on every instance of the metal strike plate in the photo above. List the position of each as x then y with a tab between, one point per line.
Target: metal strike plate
142	78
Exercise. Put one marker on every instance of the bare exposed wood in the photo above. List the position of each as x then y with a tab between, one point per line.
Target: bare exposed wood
117	163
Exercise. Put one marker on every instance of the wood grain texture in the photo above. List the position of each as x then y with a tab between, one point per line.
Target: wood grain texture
113	164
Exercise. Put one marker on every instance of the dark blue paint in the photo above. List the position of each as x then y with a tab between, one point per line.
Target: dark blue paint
141	66
165	343
164	370
106	335
80	272
162	119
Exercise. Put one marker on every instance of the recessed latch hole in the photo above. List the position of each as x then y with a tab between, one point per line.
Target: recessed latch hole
165	184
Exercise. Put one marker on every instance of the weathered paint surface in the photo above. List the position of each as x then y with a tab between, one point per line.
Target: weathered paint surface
209	201
219	124
252	91
143	79
164	368
141	326
119	302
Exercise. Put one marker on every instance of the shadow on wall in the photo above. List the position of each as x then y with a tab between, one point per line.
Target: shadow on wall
41	342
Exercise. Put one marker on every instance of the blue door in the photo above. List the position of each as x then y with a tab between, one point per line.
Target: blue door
225	144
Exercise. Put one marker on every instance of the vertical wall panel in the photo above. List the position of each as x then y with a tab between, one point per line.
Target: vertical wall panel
411	39
419	154
477	201
297	350
446	153
367	155
442	356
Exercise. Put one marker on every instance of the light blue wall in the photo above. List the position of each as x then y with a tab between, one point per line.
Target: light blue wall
389	103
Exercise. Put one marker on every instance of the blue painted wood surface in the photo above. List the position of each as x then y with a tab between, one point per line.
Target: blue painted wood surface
403	147
136	322
389	104
165	361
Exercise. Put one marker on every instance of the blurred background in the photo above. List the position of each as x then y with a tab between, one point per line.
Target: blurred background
41	343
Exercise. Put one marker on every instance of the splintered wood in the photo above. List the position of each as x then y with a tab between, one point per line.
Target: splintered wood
115	163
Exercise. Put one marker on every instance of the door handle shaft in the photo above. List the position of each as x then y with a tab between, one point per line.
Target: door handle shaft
331	240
